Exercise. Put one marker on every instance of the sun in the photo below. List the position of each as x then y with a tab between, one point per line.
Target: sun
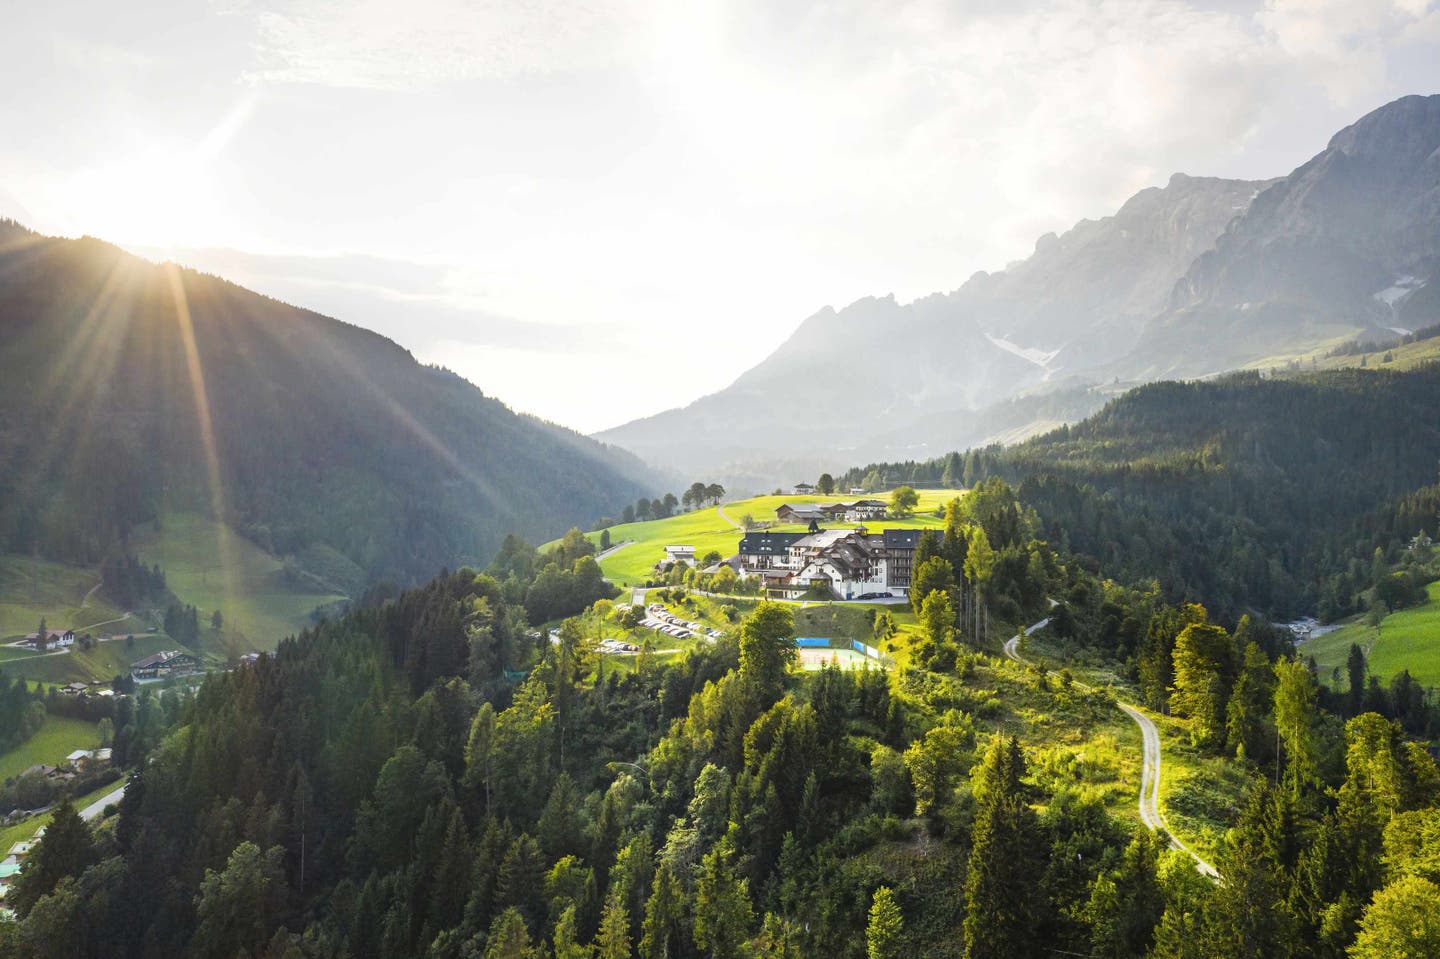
153	198
163	192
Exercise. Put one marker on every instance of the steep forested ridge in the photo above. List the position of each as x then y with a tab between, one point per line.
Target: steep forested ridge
131	387
1248	492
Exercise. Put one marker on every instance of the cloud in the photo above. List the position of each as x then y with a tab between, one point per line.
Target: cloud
1345	44
413	44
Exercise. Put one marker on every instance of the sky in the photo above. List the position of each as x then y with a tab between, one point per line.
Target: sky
601	209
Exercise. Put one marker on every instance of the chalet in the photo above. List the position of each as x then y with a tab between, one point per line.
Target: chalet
89	756
762	551
804	489
54	639
680	554
863	510
174	662
801	513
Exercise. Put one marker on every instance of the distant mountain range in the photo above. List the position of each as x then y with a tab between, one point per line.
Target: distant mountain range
1197	277
131	388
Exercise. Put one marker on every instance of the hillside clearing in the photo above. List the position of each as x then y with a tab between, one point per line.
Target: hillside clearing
59	593
210	567
57	738
1407	639
708	529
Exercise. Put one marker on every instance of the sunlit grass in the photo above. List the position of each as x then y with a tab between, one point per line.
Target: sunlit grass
706	529
1407	639
258	606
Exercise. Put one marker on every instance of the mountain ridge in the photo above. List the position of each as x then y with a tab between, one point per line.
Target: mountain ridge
138	387
1193	278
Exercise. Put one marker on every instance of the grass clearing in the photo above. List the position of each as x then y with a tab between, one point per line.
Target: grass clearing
706	530
1407	639
209	566
33	589
104	662
1200	796
57	738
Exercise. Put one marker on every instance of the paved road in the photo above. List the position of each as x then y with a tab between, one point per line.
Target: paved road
98	806
1150	813
614	549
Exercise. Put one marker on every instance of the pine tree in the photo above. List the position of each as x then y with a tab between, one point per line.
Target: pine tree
884	935
1249	917
613	941
66	849
722	907
661	930
1296	715
1002	903
565	940
1247	735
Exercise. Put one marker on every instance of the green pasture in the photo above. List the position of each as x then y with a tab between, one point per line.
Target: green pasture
209	566
33	589
706	529
57	738
1406	639
104	662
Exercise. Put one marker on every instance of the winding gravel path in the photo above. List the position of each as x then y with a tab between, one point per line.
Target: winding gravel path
1150	813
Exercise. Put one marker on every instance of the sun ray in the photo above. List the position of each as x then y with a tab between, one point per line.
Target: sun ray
201	399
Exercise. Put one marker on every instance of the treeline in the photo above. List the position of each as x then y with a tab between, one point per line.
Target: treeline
560	582
22	712
1256	494
129	583
317	432
182	623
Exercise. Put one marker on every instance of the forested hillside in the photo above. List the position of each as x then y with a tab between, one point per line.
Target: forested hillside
1268	494
132	388
423	779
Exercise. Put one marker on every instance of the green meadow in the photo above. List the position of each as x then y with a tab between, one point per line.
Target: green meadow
210	567
1407	639
63	595
709	529
57	738
104	662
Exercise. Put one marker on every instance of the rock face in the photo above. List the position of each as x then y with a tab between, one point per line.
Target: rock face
884	379
1350	240
1195	277
1086	295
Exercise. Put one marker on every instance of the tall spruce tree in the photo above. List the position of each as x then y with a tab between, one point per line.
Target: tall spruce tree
1003	909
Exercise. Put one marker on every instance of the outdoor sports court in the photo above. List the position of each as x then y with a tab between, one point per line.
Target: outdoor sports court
816	653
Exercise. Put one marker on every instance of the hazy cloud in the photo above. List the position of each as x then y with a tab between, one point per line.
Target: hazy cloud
410	44
541	191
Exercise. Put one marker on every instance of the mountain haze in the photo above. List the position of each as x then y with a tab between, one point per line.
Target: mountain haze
1197	277
134	388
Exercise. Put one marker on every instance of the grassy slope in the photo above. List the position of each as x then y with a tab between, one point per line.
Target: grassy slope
31	589
103	662
706	529
1407	639
57	738
1405	357
210	567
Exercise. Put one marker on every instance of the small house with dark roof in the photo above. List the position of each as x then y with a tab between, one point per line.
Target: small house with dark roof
801	513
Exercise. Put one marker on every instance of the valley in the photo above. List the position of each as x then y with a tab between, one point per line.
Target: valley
282	675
